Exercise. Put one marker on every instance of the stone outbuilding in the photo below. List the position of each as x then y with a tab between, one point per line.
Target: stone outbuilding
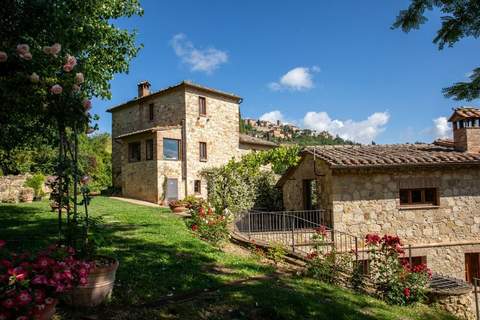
428	194
163	140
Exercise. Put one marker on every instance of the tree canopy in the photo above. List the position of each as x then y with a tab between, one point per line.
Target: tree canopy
461	19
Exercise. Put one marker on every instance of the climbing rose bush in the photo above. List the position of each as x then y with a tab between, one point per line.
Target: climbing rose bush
30	283
396	282
210	225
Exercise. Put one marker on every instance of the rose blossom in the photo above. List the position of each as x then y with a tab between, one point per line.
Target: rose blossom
55	49
87	104
79	78
4	315
56	89
34	77
67	68
71	60
3	56
2	243
26	56
23	49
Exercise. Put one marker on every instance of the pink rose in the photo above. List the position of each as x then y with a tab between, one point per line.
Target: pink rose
83	281
56	89
2	243
47	50
26	56
3	56
75	88
71	60
55	49
34	77
87	104
23	49
67	68
79	78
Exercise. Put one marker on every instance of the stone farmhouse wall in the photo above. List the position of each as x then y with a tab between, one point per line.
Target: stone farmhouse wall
168	111
219	129
12	188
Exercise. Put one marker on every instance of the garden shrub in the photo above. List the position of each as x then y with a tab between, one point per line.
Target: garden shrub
276	252
209	224
325	263
396	283
36	183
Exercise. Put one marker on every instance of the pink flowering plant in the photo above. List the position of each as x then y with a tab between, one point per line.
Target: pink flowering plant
324	262
29	284
209	224
395	282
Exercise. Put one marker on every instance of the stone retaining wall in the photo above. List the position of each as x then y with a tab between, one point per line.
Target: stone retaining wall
13	191
461	305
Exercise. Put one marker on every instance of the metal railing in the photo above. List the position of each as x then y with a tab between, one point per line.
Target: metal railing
294	229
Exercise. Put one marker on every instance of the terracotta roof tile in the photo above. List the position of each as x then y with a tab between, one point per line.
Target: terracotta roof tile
465	113
244	138
347	156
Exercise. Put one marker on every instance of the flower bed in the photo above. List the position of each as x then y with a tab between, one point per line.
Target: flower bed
210	225
31	284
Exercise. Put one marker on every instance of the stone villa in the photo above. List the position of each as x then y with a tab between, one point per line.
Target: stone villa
428	194
163	140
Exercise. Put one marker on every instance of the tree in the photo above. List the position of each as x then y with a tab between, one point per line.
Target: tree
84	29
461	19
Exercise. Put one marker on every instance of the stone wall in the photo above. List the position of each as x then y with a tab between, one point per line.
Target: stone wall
219	129
12	189
168	110
460	305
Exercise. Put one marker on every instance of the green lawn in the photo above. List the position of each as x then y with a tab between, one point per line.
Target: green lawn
159	257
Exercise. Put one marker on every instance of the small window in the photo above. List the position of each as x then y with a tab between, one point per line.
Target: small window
202	106
420	196
134	152
149	149
203	151
197	186
472	266
150	112
171	149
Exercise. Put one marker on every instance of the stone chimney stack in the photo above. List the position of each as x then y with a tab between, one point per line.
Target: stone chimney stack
466	129
143	88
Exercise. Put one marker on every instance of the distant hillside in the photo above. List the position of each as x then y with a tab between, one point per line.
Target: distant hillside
288	134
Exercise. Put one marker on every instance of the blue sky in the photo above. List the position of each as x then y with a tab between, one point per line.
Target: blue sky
332	65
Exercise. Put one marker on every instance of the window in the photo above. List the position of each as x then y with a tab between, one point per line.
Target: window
420	196
134	152
309	194
171	149
197	186
416	261
472	266
149	149
203	151
150	112
202	106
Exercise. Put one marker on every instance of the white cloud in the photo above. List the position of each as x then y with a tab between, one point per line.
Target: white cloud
272	116
364	131
300	78
441	128
205	60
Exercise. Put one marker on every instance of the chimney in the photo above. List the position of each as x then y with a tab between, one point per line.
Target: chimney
143	88
466	129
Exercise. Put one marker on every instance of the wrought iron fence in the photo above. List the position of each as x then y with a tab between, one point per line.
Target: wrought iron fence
295	229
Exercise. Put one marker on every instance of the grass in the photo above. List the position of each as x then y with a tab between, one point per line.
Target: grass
160	257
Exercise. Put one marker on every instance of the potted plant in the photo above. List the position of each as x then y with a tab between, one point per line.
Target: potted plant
177	206
30	285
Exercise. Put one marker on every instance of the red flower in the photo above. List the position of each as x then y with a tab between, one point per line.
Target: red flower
321	230
39	295
39	279
8	303
2	243
23	298
406	292
372	239
312	255
194	227
4	315
210	211
201	212
19	273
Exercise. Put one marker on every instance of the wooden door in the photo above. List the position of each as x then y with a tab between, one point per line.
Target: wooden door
472	266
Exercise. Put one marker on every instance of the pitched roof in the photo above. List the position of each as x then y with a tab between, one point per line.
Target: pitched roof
449	143
370	156
185	83
246	139
463	113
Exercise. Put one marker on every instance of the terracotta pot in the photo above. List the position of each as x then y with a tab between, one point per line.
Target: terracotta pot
47	313
178	209
97	290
